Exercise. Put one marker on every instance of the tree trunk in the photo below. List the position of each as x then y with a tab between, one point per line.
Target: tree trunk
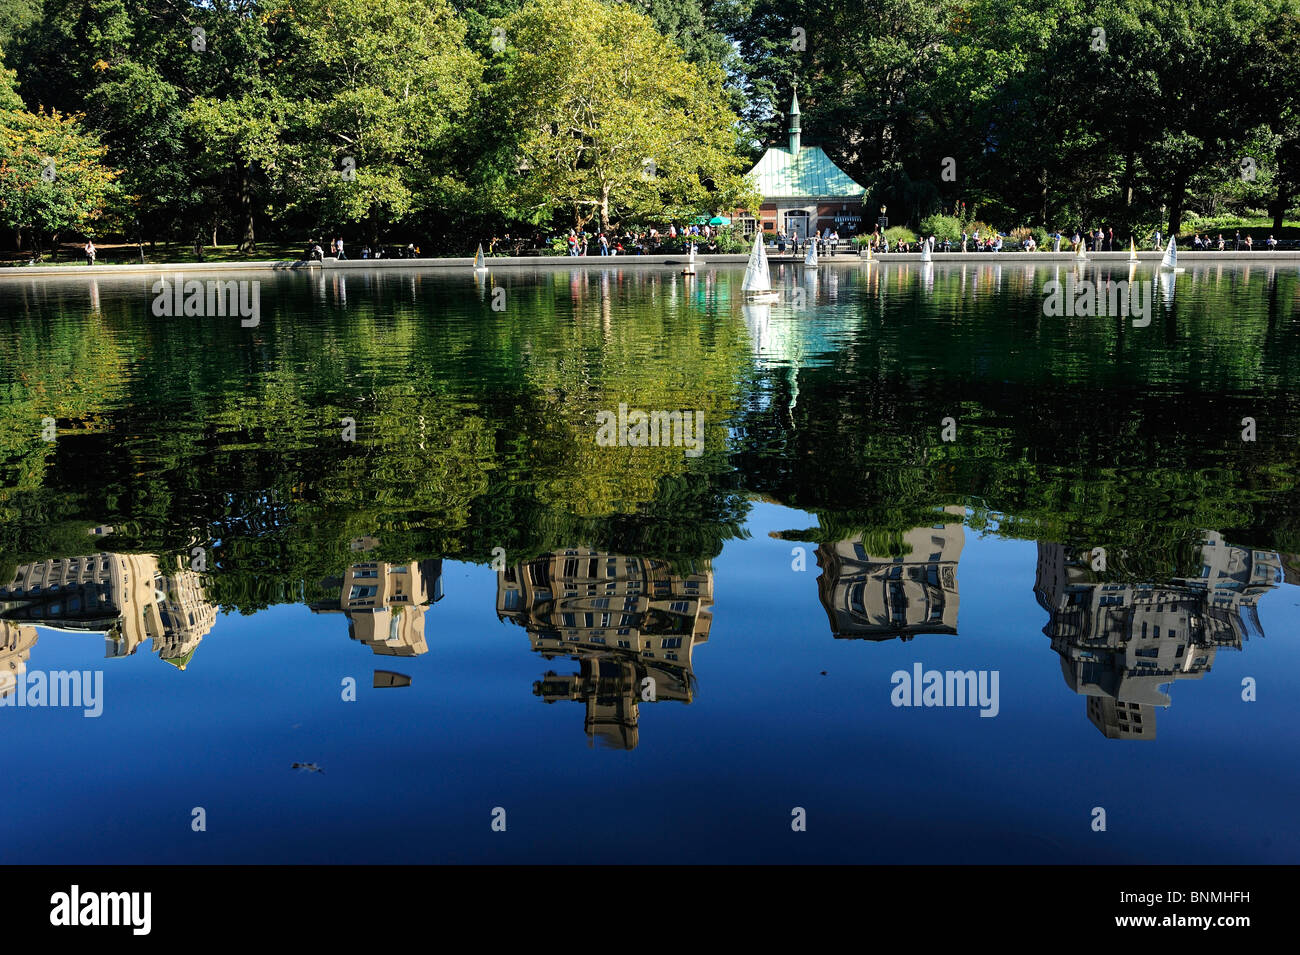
1129	160
1285	190
214	235
604	208
249	241
1177	193
1043	196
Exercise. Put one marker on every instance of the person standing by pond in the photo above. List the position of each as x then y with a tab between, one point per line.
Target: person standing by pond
90	252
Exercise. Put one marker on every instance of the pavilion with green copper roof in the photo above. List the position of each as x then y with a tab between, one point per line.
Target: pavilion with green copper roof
803	189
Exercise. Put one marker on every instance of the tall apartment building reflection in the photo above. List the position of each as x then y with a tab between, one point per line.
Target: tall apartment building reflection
16	642
385	604
623	619
1120	643
873	597
128	598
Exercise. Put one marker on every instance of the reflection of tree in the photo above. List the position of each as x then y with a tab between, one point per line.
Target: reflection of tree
1073	429
480	434
582	360
62	370
223	434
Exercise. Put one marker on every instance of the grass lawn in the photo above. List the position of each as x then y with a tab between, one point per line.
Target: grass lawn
1260	228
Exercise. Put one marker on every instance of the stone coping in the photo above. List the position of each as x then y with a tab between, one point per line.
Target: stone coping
466	263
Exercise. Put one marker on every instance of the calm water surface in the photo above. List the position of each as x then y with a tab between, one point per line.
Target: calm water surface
376	534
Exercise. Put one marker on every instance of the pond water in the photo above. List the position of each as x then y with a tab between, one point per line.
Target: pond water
917	573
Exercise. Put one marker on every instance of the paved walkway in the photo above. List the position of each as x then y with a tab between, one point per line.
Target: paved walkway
628	261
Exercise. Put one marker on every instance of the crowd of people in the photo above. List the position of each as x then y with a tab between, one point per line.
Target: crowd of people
648	241
314	252
638	242
651	240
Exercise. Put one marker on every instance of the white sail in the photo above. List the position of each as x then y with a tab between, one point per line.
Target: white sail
925	251
480	260
757	276
1132	250
690	254
1081	252
1170	261
811	258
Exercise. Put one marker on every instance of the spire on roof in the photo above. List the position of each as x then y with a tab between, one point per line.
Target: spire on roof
795	135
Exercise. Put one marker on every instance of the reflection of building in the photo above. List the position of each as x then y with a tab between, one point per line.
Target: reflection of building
127	597
627	621
385	604
16	643
1120	643
879	598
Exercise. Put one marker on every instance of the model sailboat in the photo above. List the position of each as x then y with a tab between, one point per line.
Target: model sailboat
1132	250
925	251
1170	261
690	259
480	260
758	278
810	260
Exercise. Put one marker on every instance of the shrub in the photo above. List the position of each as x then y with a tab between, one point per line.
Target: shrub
897	233
942	228
729	240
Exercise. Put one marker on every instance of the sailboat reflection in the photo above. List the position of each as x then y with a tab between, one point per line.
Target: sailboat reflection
758	319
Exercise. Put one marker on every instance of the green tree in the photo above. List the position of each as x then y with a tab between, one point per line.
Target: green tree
381	85
52	175
612	122
1279	80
